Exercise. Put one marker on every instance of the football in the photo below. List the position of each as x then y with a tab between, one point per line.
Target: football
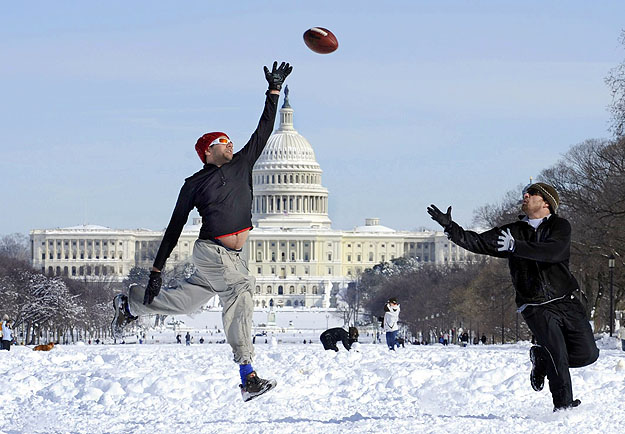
320	40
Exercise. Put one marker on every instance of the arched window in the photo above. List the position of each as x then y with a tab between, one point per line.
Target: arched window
280	290
269	289
257	289
291	289
259	256
288	302
314	289
302	290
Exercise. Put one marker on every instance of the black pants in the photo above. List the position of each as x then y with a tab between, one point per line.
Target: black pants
6	345
328	342
562	329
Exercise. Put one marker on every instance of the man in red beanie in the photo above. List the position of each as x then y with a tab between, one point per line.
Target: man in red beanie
222	194
548	296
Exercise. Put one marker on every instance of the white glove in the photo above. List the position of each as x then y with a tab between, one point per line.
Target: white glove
506	241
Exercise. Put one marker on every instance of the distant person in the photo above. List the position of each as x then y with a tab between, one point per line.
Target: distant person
391	320
621	336
483	339
464	339
222	193
187	339
178	339
537	248
7	333
330	337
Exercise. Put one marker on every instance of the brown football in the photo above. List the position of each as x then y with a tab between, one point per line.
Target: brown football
320	40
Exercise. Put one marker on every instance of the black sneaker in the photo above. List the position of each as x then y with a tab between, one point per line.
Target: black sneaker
255	386
572	404
122	316
539	367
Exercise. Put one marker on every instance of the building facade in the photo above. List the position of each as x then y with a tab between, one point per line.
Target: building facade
293	252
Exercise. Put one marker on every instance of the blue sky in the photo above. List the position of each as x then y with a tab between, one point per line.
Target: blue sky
443	102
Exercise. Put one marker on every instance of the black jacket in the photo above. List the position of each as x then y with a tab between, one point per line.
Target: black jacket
337	334
539	265
222	195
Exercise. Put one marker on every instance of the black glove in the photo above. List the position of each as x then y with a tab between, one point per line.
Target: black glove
153	288
437	215
278	74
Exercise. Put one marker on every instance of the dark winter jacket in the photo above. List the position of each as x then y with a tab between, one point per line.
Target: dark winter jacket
539	265
222	195
339	334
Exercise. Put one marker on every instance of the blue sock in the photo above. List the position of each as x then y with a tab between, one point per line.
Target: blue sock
244	371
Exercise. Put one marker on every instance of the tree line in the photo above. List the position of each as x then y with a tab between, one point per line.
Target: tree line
57	308
48	308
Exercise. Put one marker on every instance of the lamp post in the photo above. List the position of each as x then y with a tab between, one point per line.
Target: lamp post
611	267
502	318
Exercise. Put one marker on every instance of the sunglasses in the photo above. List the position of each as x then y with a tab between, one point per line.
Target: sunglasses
534	192
220	141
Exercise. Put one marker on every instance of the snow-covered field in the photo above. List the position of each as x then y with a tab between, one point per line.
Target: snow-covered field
170	388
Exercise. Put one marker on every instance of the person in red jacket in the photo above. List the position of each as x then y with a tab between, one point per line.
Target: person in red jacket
537	248
222	194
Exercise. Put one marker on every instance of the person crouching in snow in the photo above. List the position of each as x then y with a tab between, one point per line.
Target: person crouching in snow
330	337
391	326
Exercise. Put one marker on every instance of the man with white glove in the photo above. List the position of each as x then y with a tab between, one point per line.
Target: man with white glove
548	296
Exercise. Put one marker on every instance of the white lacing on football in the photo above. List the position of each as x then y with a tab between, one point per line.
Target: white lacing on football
318	30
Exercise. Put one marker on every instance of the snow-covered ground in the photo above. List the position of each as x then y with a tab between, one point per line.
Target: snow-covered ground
170	388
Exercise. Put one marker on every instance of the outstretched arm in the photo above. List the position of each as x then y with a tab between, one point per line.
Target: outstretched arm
275	78
485	243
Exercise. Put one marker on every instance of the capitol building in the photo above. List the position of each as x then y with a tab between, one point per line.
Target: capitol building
296	257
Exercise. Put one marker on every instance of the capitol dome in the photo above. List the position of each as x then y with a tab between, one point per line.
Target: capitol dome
287	180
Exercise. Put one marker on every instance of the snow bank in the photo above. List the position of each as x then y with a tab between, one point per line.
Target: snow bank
193	389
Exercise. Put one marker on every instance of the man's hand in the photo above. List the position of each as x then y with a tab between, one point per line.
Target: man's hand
506	241
153	288
437	215
278	74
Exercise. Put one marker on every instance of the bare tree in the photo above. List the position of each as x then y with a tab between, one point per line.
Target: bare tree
616	82
15	246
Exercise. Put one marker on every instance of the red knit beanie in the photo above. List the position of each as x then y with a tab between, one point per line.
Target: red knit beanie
204	142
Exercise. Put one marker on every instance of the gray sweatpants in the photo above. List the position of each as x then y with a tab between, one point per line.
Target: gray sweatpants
218	271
